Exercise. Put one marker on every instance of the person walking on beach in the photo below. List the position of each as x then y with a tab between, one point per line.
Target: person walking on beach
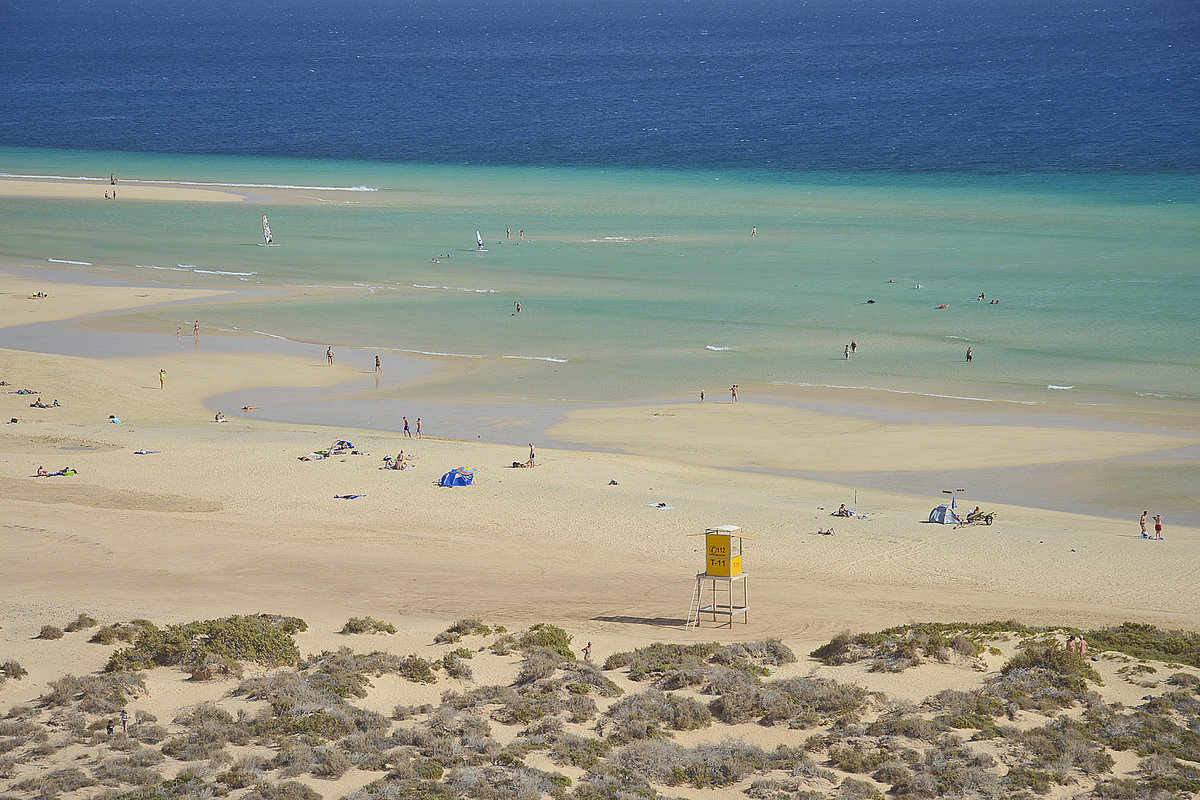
196	328
162	379
378	366
733	392
1143	523
329	355
418	427
701	395
1158	523
178	332
970	354
587	652
406	432
125	722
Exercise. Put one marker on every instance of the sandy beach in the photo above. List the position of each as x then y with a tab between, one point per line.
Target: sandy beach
174	517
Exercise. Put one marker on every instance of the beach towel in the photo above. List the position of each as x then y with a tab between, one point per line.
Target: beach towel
145	452
348	496
660	506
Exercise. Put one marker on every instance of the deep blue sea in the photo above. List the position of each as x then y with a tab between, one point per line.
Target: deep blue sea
921	86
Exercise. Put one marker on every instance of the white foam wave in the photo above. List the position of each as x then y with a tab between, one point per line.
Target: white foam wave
448	355
716	349
66	261
1159	394
453	288
1059	388
538	358
220	272
902	391
196	183
961	338
155	266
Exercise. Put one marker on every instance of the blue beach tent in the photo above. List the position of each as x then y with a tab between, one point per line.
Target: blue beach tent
459	476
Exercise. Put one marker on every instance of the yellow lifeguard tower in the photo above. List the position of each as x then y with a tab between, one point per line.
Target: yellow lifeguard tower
722	564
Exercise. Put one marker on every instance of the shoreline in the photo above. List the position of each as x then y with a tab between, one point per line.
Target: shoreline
1031	478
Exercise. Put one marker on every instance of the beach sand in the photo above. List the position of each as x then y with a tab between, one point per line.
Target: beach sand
225	518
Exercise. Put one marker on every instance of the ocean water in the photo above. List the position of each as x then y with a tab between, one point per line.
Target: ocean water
1044	155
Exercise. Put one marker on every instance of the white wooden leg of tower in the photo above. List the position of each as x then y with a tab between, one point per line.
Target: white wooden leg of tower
693	617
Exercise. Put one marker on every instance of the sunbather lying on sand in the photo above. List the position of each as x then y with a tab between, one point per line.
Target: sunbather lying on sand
42	473
825	533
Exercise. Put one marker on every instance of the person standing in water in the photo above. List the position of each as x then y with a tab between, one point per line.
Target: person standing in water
754	231
418	427
196	328
378	366
329	354
970	354
733	392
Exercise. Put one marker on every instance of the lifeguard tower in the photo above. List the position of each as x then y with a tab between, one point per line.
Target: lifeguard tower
722	565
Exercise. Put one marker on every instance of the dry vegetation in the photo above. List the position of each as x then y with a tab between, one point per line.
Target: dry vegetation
1035	723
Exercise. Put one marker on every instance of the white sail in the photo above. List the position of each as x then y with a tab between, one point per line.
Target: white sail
266	229
479	239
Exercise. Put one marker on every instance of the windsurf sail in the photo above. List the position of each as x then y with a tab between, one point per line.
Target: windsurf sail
266	229
479	239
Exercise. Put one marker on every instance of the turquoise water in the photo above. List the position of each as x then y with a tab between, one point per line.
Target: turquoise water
647	283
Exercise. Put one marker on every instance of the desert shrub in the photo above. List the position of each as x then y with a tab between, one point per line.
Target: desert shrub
12	670
545	635
855	789
93	694
246	771
216	666
115	772
288	790
580	708
1148	643
417	670
1042	679
262	639
854	757
1145	733
577	751
801	702
896	649
746	654
50	632
1063	745
108	634
1184	680
655	660
908	725
51	784
651	714
8	766
456	666
80	623
465	627
539	662
503	645
149	734
1025	778
583	673
367	625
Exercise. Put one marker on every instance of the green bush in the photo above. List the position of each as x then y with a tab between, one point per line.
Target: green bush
656	660
548	636
367	625
262	639
1149	643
